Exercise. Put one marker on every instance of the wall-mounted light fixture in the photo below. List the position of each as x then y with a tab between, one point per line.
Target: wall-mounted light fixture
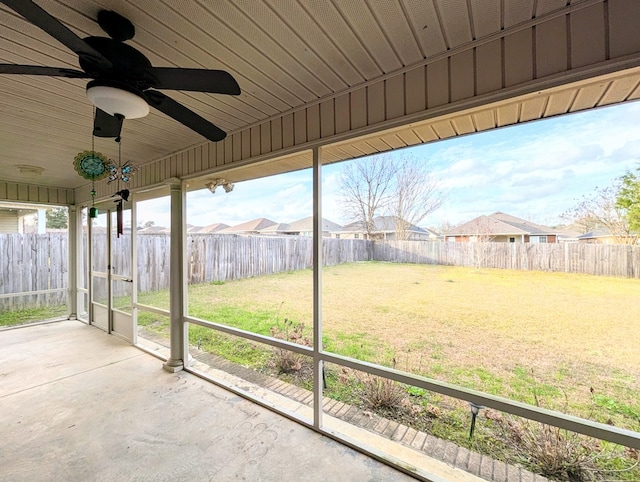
213	185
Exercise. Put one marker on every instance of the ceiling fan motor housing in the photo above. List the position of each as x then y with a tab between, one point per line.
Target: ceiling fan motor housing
116	99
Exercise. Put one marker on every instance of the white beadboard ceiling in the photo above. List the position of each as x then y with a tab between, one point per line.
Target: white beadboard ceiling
283	53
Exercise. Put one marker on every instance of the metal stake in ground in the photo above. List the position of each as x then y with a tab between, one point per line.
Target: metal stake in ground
475	409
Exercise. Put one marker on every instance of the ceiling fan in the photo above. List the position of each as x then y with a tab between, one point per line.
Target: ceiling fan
124	81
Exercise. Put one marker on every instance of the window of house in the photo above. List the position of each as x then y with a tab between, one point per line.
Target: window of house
542	239
512	240
356	236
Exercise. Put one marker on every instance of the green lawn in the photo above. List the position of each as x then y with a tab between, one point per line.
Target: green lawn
20	317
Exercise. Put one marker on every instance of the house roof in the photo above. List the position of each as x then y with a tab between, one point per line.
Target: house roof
596	233
276	228
153	230
381	224
306	225
568	234
254	225
214	228
499	224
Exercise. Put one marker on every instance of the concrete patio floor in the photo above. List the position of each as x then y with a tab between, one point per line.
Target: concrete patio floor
78	404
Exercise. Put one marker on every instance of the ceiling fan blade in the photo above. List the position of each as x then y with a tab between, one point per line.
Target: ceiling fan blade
40	18
105	125
183	115
195	80
38	70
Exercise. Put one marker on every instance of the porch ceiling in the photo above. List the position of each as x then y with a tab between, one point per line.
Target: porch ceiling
285	55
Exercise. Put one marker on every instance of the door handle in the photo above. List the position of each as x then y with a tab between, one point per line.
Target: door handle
127	280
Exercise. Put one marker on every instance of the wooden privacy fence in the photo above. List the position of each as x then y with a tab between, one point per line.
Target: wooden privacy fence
226	257
32	262
595	259
216	257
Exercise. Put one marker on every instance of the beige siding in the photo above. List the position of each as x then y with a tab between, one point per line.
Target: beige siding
8	222
11	191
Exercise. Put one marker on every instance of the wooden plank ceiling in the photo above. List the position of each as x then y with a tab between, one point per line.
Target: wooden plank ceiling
285	55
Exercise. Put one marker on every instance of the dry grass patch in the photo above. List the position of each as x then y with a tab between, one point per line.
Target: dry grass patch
512	333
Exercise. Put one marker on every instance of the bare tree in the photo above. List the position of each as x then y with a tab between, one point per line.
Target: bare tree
601	209
482	238
415	195
383	184
365	185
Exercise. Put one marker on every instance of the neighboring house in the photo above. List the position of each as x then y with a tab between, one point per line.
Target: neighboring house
502	227
11	221
153	230
433	235
191	229
23	218
301	227
278	229
384	228
304	227
250	227
604	236
567	236
162	230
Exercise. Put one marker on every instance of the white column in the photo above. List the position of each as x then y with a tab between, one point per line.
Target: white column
134	268
317	288
72	252
42	221
176	281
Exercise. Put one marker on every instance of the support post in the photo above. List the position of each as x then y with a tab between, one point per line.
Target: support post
177	355
42	221
318	365
134	269
74	241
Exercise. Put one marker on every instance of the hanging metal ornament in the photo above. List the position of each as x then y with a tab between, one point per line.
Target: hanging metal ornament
93	166
118	171
93	211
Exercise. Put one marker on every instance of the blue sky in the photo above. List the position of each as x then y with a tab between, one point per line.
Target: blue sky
535	171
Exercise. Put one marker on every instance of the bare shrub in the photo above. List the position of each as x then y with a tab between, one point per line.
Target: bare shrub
554	452
287	361
560	454
380	393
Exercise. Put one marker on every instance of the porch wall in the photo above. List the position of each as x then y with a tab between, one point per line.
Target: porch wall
14	191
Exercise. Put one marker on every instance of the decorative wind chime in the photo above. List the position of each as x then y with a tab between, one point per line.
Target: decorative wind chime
120	172
95	166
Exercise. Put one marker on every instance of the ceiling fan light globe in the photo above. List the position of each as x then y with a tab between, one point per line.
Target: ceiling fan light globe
113	100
